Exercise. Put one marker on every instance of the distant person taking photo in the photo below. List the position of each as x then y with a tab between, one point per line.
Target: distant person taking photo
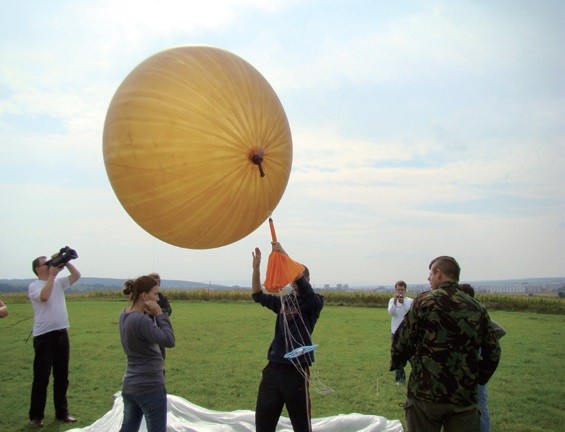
398	306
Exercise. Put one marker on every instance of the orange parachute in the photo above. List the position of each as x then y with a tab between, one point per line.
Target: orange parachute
281	269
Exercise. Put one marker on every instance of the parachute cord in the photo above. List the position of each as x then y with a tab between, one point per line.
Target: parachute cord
371	382
154	252
289	304
310	376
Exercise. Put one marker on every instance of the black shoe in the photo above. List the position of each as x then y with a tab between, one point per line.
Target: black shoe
68	419
35	424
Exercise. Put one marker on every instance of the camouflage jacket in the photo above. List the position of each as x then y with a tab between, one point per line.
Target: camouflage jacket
442	336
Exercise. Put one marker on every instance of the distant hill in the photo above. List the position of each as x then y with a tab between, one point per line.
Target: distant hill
526	285
103	284
165	283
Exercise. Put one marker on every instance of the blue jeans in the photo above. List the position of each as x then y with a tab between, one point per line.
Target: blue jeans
483	407
151	405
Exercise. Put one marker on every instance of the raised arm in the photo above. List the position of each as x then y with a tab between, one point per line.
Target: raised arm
46	291
3	310
74	273
256	277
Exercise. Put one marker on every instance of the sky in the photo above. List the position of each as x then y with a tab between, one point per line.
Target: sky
419	128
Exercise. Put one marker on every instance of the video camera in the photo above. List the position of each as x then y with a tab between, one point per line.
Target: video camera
62	257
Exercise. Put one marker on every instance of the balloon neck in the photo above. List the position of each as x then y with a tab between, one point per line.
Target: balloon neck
257	159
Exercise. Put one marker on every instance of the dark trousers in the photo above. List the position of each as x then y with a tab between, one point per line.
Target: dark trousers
51	353
424	416
399	374
283	385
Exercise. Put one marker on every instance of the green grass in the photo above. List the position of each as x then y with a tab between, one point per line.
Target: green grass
221	349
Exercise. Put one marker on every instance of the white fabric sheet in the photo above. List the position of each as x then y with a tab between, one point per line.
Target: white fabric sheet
184	416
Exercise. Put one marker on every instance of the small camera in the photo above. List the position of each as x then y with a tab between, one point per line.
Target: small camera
62	257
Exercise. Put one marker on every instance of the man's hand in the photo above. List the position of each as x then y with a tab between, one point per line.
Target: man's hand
54	271
256	278
256	258
277	247
398	298
47	289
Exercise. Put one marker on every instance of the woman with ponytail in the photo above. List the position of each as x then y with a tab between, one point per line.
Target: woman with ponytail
143	328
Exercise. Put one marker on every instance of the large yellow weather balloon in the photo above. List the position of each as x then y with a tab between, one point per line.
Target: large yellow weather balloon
197	147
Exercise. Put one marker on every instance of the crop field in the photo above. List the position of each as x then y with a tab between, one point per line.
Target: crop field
221	349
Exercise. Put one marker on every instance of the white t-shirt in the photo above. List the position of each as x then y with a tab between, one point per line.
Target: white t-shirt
398	311
52	314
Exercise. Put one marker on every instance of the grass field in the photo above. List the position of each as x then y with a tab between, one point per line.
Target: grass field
221	348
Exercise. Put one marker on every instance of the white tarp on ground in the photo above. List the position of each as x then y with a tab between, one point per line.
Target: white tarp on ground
184	416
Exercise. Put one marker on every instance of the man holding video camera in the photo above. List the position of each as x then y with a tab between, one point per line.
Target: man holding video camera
50	337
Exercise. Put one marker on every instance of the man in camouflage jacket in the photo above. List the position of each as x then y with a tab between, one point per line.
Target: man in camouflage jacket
443	334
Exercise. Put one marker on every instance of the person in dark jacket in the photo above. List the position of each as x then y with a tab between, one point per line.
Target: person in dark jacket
482	394
286	381
163	302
